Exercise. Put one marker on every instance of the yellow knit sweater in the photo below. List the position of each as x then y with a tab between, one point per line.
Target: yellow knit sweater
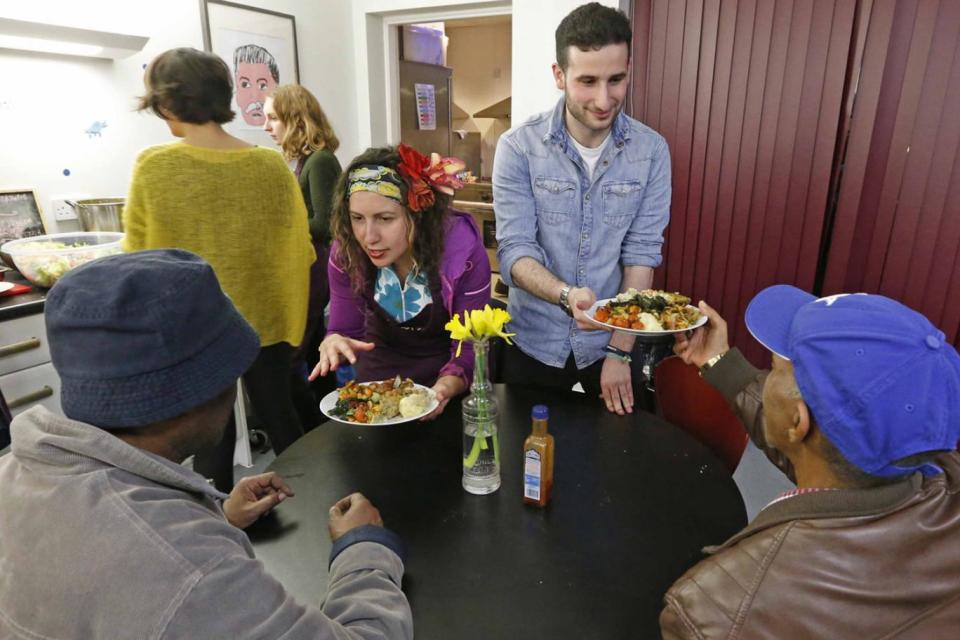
239	209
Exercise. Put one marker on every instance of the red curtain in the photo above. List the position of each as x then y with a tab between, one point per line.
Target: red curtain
896	226
749	95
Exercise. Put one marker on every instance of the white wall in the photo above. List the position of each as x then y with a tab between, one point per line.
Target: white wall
48	101
534	89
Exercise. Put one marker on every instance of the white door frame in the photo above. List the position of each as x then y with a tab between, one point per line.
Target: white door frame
377	56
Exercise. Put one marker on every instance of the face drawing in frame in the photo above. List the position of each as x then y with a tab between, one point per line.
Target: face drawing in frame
255	75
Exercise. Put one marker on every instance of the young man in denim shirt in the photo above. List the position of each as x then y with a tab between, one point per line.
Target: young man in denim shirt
582	196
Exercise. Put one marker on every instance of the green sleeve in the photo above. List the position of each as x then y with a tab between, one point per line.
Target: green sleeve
320	174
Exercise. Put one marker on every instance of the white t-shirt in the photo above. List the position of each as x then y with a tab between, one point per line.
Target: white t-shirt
591	156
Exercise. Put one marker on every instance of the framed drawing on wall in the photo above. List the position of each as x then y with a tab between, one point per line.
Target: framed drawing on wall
259	46
20	215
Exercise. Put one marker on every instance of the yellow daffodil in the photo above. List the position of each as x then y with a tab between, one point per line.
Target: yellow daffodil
479	324
458	331
500	318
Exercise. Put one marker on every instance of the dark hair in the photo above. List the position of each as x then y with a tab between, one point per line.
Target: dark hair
855	477
426	233
592	26
255	54
194	86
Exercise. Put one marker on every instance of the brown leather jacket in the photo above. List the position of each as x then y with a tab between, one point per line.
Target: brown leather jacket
863	564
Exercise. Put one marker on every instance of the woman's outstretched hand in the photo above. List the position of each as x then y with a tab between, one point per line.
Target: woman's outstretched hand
335	349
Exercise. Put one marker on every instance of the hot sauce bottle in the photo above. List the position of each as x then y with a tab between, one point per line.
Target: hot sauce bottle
538	460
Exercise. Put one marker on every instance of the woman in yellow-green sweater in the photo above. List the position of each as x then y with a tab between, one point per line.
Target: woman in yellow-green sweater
239	207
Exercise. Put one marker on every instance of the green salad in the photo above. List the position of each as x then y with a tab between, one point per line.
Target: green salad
44	269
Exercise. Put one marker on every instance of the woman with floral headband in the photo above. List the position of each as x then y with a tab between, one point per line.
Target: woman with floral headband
402	263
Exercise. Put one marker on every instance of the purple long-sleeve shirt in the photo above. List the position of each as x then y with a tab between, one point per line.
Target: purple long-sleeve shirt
464	285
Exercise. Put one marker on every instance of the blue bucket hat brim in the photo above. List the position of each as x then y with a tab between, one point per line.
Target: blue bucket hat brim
153	396
142	337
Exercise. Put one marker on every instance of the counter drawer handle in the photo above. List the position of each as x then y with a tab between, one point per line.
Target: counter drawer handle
33	396
19	347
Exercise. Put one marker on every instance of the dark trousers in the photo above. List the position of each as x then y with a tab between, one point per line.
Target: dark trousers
271	388
519	368
307	354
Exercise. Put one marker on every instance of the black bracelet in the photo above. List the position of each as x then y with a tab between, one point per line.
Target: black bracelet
618	353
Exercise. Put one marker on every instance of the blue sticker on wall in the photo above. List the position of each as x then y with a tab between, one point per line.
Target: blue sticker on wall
95	129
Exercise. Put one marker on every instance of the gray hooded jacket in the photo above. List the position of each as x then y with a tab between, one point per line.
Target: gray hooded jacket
99	539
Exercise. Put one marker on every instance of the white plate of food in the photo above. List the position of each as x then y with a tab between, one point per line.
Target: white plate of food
650	312
384	402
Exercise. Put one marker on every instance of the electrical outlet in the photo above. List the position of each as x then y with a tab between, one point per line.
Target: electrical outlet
61	210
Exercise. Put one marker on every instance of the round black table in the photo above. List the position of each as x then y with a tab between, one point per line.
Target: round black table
635	499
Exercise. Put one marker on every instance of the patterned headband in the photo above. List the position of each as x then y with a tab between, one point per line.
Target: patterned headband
414	181
377	179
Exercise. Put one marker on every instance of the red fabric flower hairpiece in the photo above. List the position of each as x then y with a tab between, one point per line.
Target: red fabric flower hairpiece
423	175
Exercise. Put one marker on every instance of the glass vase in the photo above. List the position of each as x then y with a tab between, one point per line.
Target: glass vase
481	446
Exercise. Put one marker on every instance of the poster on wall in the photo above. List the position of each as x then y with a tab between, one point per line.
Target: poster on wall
426	96
259	46
20	215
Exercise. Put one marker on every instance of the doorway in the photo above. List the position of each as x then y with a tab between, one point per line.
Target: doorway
377	56
455	88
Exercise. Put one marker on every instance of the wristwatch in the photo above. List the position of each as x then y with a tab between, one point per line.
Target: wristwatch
709	364
564	303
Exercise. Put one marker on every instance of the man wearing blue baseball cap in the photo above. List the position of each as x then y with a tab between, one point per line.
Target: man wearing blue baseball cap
104	534
862	410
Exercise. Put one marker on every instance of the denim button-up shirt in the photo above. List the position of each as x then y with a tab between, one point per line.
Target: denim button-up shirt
582	229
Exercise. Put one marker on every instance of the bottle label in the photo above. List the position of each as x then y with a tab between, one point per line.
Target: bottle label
531	475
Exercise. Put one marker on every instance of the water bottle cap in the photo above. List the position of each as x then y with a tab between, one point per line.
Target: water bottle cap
345	373
540	412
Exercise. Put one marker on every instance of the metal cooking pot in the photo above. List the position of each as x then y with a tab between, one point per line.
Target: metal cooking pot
99	214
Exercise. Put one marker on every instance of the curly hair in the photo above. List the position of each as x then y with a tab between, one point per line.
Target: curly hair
591	26
426	228
307	128
193	86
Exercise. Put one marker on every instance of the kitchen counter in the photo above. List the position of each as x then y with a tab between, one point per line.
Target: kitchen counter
27	377
24	304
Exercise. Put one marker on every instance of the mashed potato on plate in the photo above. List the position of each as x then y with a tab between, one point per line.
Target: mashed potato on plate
414	404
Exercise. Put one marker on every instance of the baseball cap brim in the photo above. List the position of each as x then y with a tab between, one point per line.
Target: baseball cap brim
770	315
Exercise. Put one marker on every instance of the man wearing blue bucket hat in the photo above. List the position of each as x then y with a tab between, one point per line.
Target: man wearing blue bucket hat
104	534
862	410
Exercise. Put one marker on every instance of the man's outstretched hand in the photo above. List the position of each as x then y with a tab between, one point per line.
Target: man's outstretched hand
706	341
